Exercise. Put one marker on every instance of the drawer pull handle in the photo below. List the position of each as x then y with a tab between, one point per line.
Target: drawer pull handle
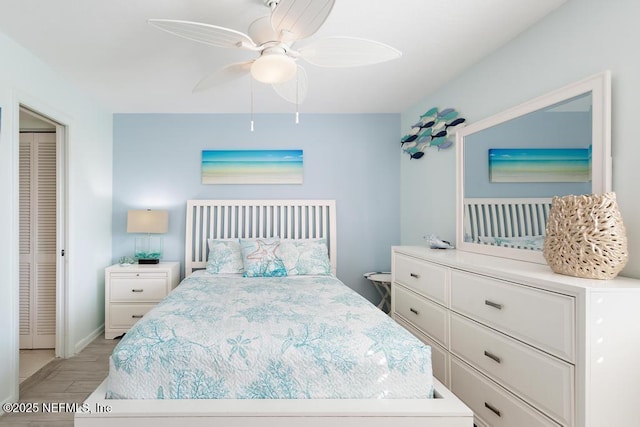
136	316
414	275
493	304
492	357
413	310
492	409
137	290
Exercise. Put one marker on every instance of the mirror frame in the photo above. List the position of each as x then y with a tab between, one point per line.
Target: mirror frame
601	166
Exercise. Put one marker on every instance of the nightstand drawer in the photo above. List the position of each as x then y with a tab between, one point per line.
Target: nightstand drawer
543	319
424	314
537	377
426	279
126	315
138	287
491	402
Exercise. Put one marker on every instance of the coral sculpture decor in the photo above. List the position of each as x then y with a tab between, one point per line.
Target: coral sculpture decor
585	236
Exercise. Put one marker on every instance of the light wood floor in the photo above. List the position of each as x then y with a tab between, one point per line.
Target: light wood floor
31	361
63	380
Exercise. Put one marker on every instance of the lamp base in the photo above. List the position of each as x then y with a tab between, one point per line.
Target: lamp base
148	261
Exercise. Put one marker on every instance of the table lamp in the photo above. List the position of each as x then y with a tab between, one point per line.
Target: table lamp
148	249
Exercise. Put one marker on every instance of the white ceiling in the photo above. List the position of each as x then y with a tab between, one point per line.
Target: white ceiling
106	48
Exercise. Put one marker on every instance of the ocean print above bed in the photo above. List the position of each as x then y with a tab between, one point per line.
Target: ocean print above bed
299	337
252	167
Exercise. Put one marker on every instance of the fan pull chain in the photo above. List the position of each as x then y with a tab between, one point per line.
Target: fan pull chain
251	118
297	93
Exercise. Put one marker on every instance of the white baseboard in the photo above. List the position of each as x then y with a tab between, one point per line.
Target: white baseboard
11	399
88	339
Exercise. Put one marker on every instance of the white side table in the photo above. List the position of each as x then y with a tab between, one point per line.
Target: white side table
133	290
382	283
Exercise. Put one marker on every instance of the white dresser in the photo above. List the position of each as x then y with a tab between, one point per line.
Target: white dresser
129	292
521	345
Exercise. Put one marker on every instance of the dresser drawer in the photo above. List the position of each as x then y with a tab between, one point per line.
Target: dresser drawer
539	378
424	314
138	287
543	319
492	403
439	356
126	315
426	279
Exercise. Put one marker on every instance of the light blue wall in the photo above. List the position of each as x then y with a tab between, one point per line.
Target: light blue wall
580	39
350	158
26	80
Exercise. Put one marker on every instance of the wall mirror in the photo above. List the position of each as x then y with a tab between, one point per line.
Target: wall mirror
510	165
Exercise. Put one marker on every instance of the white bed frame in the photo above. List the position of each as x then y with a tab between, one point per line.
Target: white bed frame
293	219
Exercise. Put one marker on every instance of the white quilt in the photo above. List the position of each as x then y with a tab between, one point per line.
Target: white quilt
222	337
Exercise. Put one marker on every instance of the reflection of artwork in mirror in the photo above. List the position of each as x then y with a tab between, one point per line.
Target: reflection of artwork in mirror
539	164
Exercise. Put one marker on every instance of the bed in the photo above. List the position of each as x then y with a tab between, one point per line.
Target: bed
266	390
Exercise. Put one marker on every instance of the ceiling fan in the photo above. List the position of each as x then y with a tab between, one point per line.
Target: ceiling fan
272	37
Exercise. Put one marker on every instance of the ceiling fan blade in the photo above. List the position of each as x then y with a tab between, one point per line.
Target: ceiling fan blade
204	33
347	52
224	75
298	19
294	90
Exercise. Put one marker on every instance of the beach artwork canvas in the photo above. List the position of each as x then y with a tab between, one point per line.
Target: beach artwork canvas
252	167
539	165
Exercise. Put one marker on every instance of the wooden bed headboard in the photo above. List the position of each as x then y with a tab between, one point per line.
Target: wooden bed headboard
505	217
230	219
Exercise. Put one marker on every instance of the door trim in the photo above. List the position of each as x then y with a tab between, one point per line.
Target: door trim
61	242
44	111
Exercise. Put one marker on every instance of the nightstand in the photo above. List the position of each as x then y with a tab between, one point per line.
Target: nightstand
131	291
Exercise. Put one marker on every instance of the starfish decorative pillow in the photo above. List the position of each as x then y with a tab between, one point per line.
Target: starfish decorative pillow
260	258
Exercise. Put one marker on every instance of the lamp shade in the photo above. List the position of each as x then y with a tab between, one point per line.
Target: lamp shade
273	66
147	221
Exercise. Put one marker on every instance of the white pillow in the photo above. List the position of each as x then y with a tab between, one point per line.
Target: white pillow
305	256
225	256
521	242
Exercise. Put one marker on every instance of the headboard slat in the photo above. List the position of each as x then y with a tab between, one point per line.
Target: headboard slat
196	232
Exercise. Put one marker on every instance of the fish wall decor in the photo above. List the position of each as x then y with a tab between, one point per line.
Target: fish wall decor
433	129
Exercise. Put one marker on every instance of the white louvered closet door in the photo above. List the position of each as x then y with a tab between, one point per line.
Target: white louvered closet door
37	240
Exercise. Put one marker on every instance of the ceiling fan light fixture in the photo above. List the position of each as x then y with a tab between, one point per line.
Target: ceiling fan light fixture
273	66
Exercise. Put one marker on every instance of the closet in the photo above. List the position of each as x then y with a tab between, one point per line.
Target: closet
37	220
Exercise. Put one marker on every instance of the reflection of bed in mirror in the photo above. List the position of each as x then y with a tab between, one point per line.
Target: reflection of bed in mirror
517	223
509	166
